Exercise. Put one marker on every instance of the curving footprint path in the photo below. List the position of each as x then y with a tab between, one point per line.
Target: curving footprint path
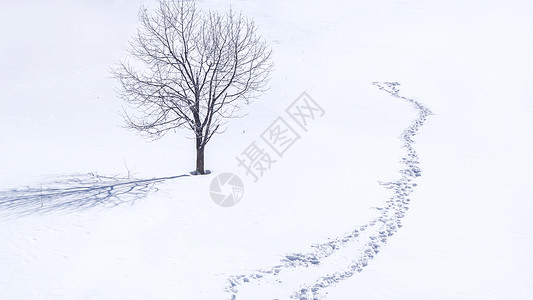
364	242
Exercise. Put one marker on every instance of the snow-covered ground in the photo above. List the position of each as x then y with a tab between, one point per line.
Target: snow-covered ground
466	233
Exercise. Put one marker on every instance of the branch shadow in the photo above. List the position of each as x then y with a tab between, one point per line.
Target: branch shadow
77	192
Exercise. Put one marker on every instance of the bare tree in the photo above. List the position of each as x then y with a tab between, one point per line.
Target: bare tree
191	69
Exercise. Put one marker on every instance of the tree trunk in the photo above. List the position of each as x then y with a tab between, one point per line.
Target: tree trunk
200	160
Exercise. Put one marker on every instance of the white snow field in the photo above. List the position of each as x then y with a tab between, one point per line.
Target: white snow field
416	190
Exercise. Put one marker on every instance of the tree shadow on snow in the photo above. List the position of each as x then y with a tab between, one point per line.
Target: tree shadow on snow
70	193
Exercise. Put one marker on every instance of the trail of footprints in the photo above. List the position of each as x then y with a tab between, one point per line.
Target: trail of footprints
368	239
